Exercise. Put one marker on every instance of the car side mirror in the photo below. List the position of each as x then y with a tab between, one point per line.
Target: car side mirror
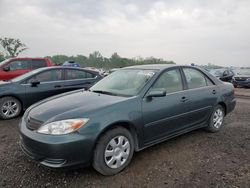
34	83
6	68
157	93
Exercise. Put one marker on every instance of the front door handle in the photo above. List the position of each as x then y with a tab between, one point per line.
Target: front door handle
184	99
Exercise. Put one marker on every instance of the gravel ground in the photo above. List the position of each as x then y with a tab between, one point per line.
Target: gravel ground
196	159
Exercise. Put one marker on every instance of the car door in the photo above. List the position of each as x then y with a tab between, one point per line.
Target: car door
165	115
44	84
203	94
78	79
16	68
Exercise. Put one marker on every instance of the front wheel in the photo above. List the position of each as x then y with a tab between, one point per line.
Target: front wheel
113	151
216	120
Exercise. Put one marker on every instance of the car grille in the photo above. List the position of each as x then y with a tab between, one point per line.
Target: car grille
33	124
240	79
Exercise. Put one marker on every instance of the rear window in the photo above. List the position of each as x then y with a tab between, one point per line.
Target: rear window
38	63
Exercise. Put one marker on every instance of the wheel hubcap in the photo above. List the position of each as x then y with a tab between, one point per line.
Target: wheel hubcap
117	152
218	118
10	109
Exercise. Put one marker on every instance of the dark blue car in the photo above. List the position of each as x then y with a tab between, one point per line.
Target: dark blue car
19	93
242	78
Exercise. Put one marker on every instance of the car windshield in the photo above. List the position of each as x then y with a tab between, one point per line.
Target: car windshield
244	72
124	82
24	76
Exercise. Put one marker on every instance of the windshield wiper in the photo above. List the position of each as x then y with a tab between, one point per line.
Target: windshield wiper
103	92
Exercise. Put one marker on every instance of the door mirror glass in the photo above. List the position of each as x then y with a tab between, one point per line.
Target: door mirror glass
6	68
157	93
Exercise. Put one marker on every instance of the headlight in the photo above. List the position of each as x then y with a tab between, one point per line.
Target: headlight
63	126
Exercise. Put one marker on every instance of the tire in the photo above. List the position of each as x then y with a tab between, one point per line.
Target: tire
10	107
216	120
113	152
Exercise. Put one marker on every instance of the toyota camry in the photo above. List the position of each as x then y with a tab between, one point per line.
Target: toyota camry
127	111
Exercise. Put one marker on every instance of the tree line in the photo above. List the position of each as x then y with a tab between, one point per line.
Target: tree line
96	59
11	47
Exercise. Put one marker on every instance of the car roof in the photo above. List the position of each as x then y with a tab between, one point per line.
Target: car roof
66	67
152	66
27	58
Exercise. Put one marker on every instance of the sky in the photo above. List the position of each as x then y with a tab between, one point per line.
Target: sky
184	31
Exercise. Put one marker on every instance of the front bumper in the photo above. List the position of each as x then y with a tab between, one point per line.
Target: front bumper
56	151
241	83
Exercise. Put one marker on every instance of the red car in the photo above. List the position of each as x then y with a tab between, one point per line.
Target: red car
13	67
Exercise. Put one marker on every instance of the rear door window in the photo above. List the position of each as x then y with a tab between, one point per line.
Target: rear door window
38	63
196	79
78	74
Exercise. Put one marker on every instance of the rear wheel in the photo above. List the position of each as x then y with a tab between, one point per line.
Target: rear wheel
10	107
216	119
113	151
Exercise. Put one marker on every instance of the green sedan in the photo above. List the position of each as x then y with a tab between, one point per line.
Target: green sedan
127	111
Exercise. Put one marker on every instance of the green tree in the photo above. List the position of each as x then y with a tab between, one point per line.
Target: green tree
12	47
116	61
59	59
1	57
96	59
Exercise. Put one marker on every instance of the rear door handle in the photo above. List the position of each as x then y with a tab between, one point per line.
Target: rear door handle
184	99
58	86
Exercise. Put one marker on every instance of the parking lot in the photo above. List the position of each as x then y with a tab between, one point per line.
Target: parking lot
196	159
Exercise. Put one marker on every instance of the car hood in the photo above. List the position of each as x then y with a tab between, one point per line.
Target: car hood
5	86
4	83
72	105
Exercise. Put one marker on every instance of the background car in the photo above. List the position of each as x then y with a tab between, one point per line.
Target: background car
21	92
242	78
225	75
129	110
71	63
13	67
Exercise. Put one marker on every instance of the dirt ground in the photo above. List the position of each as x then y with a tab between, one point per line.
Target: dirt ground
196	159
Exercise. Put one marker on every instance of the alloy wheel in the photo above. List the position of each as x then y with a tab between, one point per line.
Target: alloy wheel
218	118
10	109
